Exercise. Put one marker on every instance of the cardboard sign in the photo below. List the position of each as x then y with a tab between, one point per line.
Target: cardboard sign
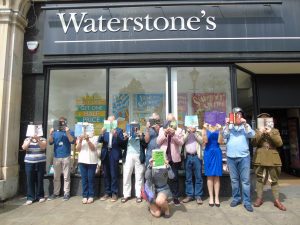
158	156
34	130
109	126
191	121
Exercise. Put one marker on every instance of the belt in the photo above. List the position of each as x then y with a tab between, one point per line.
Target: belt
194	154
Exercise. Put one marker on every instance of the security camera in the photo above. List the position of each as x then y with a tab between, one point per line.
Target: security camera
32	45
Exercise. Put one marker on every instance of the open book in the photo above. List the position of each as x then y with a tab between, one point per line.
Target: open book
81	128
34	130
109	126
191	121
265	122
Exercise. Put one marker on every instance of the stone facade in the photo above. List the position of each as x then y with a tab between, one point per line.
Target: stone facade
12	26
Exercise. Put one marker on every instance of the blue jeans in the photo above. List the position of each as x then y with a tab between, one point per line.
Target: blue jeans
239	170
193	167
35	180
87	172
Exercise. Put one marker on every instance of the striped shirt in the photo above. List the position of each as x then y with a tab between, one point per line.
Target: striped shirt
34	153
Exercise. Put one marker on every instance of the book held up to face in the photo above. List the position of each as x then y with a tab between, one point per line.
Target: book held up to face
110	125
235	118
34	130
158	156
86	129
191	121
265	122
132	129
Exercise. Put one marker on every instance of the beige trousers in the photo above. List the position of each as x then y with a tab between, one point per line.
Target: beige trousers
62	165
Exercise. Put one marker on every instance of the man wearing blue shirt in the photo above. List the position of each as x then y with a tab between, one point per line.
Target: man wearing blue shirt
62	138
238	158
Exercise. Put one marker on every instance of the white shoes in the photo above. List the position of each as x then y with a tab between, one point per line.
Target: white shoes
42	200
28	202
84	201
90	200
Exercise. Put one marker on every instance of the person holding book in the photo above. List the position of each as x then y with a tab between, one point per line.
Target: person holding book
35	163
113	141
159	179
170	139
134	155
212	138
238	157
193	165
151	134
266	161
62	138
86	145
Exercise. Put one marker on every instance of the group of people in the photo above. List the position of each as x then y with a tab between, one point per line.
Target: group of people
199	146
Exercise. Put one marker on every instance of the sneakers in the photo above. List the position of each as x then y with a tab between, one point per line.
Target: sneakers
138	200
248	208
90	200
114	198
52	197
176	202
234	204
187	199
104	197
84	201
42	200
66	197
28	202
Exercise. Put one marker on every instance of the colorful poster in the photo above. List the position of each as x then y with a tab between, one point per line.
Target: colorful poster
120	106
205	102
182	107
91	109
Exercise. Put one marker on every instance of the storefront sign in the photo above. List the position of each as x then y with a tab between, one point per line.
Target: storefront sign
186	28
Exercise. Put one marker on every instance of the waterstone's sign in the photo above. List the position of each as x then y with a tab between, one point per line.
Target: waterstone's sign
199	28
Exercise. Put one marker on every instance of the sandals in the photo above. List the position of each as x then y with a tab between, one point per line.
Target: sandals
123	200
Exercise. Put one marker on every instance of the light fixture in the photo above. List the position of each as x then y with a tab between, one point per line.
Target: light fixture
32	45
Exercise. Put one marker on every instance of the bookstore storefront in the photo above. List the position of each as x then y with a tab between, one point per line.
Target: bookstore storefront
130	60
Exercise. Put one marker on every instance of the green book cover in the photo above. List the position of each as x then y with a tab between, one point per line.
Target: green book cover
108	125
158	156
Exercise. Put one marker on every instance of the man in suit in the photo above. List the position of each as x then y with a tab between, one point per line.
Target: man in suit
112	142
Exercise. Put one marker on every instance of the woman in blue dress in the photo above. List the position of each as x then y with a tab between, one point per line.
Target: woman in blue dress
212	138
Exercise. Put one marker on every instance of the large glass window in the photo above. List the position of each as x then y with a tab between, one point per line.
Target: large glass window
245	94
135	93
79	95
200	90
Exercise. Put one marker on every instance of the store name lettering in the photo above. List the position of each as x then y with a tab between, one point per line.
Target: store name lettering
87	24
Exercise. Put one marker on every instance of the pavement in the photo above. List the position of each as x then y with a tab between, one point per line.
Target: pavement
131	213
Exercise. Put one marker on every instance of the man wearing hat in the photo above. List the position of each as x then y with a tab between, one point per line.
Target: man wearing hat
236	135
266	160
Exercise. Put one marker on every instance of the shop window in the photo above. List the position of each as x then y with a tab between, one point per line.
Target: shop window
135	93
200	90
245	94
79	95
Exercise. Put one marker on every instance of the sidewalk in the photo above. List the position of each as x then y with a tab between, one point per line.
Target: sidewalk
104	213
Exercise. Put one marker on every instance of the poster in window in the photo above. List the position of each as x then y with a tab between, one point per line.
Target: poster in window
182	102
293	129
120	106
91	109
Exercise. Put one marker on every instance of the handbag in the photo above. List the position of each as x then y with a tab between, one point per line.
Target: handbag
148	191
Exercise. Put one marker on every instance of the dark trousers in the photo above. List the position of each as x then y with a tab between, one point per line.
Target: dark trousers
87	172
111	174
174	183
34	177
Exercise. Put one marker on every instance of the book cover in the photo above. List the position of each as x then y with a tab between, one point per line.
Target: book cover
132	128
265	122
214	117
191	121
109	126
158	156
235	118
81	128
34	130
